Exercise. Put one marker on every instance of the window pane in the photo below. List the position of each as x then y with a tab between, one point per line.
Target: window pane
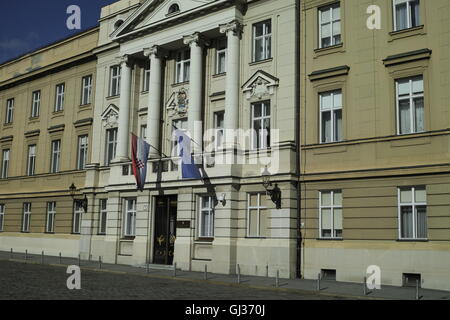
336	28
421	222
337	220
421	195
415	13
325	15
259	49
265	223
405	196
401	16
253	200
326	198
417	85
406	222
338	125
405	117
337	201
418	107
326	126
253	222
259	29
403	87
326	101
326	30
336	13
326	221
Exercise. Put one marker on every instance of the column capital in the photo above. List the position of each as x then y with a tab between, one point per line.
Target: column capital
195	38
155	51
126	60
234	26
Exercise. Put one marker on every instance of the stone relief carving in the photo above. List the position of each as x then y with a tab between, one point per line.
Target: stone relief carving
179	103
110	117
260	85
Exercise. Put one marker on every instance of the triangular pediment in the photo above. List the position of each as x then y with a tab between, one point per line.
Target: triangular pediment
153	12
260	84
110	116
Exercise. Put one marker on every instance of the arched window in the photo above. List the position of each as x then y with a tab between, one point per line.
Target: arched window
174	8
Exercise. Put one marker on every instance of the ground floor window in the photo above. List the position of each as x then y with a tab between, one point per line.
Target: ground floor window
103	216
26	217
206	217
330	214
412	207
77	213
257	216
2	216
51	211
130	218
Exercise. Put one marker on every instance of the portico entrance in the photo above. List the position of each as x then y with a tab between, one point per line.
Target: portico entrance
165	230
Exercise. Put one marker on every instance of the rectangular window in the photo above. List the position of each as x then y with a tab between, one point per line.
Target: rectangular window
180	124
9	111
412	208
257	216
26	217
114	81
36	104
331	116
83	144
31	162
146	80
221	58
130	218
2	217
51	211
330	214
330	26
55	156
144	131
5	163
111	145
219	129
406	14
206	217
103	216
182	66
410	105
77	215
261	125
86	90
262	41
60	90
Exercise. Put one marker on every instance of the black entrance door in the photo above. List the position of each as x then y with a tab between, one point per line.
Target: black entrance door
165	230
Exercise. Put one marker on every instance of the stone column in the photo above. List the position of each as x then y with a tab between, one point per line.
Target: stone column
233	30
154	99
124	111
195	91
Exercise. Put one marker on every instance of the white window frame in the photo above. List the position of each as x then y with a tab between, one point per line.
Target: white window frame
6	153
143	132
26	217
263	134
209	210
146	77
259	207
333	110
55	159
83	149
9	111
2	216
411	96
129	227
332	21
219	131
86	90
77	217
413	204
332	207
103	216
409	25
181	62
221	50
51	212
60	93
36	104
111	142
115	74
266	39
31	160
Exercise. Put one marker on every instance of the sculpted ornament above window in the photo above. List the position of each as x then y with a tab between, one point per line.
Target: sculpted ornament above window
178	103
260	85
110	117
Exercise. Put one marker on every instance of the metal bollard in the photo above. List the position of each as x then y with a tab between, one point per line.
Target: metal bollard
79	259
277	279
417	290
42	258
238	274
206	272
365	286
26	254
100	262
60	258
148	267
175	270
11	253
267	271
318	282
90	257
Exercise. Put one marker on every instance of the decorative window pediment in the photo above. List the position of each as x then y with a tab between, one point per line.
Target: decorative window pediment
260	85
110	116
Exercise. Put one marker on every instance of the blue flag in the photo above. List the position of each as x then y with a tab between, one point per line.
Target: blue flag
188	167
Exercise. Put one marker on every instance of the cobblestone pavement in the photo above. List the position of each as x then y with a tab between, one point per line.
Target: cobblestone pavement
33	281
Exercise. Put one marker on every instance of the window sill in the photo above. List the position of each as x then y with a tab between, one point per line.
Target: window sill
254	63
256	238
57	114
205	240
179	84
7	125
219	75
85	106
128	238
33	119
113	97
329	50
405	33
413	240
101	234
330	239
144	92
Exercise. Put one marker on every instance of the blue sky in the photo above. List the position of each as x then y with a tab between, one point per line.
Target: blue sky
26	25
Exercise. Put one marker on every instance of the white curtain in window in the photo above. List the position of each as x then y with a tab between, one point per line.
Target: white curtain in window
405	117
401	16
421	222
407	222
418	106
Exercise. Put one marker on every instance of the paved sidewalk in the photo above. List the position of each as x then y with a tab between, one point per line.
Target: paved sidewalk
328	288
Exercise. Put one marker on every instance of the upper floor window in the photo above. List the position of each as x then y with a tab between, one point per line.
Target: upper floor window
5	164
206	218
103	216
130	218
111	145
330	25
262	41
51	212
257	216
261	125
173	9
221	58
2	216
183	65
331	116
219	118
114	81
330	214
406	14
60	90
9	111
55	156
86	90
26	218
144	132
146	81
82	152
410	105
412	207
31	162
36	104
